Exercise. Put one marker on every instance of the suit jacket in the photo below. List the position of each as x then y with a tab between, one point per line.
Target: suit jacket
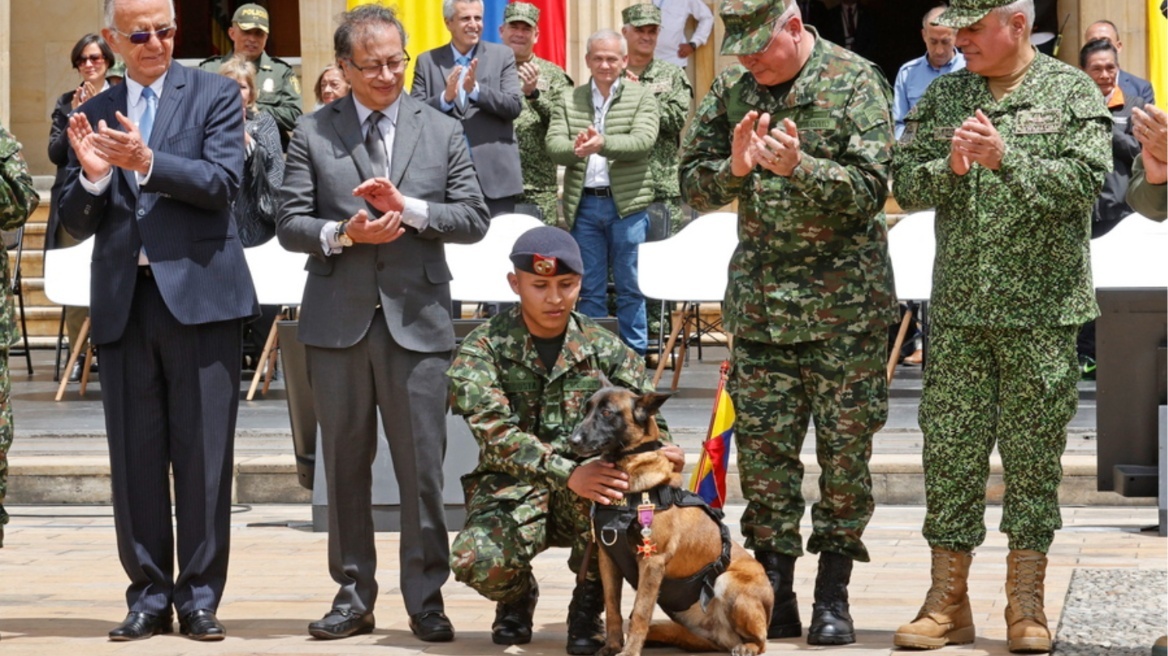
408	277
1136	87
58	155
489	121
182	216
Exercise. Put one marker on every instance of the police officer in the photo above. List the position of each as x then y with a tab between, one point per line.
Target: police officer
521	381
1012	152
670	86
278	86
800	134
542	83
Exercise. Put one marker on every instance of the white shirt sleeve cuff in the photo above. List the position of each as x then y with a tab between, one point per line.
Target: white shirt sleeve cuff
96	188
328	239
416	213
143	179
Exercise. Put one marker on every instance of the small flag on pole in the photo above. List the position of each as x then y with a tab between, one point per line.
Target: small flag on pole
709	478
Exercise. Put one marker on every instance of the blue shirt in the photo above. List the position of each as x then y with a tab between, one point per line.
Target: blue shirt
911	82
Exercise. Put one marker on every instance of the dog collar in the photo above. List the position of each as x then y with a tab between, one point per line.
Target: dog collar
647	447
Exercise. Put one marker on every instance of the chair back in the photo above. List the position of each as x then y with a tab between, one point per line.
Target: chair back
67	274
1131	255
278	275
480	269
912	246
691	265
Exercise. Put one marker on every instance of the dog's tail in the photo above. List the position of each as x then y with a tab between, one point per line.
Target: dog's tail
672	633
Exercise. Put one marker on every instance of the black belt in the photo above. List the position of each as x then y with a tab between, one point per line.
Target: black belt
144	271
603	192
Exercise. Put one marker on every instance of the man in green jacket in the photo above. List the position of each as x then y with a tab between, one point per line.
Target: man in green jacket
604	132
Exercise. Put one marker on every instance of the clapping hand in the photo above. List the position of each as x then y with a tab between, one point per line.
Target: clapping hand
382	230
1150	126
382	194
977	140
589	142
529	77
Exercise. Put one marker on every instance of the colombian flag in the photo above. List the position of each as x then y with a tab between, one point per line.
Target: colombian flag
1157	51
709	478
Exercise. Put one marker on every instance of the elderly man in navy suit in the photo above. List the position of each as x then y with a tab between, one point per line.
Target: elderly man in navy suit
155	165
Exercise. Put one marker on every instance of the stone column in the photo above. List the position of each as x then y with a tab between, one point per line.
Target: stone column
318	21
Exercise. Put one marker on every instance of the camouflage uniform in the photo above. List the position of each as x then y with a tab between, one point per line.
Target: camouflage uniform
1011	284
278	87
539	172
517	498
810	291
18	199
671	88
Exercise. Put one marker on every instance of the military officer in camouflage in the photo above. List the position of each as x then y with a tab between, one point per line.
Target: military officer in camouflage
1011	152
670	86
542	84
521	381
800	134
18	199
277	84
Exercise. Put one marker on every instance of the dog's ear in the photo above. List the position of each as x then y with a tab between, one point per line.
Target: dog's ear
647	405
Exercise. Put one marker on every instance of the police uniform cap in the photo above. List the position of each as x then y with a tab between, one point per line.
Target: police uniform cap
251	16
524	12
641	14
547	251
963	13
749	24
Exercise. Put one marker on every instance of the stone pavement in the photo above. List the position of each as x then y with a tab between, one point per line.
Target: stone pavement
61	587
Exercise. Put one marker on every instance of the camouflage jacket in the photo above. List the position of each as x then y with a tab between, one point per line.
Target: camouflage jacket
539	172
812	258
277	85
521	415
1013	244
18	199
671	88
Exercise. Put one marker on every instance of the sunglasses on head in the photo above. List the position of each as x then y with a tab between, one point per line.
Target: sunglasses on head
89	59
139	38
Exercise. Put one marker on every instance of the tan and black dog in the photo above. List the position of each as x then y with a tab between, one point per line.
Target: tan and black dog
670	546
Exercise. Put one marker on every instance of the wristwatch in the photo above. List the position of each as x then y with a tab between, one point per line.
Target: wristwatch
691	45
343	239
534	95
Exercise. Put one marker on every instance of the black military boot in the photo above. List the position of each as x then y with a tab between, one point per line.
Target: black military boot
513	619
584	626
780	569
831	623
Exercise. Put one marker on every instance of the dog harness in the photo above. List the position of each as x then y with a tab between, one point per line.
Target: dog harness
625	531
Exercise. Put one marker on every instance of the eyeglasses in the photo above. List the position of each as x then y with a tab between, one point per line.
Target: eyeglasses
373	70
139	38
89	59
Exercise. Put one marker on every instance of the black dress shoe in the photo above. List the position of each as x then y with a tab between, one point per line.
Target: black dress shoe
341	623
142	625
432	626
75	372
202	625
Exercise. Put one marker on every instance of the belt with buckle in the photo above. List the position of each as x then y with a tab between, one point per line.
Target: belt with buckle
603	192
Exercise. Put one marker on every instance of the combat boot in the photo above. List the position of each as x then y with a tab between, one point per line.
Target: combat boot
780	570
945	618
1026	629
584	626
513	619
831	621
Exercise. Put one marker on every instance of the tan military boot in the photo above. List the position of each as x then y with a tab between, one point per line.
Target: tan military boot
1025	619
945	618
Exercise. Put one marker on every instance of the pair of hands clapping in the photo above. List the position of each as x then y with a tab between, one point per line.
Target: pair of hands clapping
1150	127
468	83
385	197
756	143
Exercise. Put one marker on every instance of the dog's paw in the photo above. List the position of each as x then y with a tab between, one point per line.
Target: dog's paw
609	650
744	650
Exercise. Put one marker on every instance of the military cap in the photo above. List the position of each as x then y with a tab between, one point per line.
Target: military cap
523	12
641	14
963	13
118	70
547	251
749	24
251	16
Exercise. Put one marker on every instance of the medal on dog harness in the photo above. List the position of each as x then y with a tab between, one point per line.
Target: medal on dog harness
645	516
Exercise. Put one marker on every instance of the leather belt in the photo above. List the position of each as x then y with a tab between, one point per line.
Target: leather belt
603	192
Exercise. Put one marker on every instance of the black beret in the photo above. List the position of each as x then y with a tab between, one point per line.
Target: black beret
547	251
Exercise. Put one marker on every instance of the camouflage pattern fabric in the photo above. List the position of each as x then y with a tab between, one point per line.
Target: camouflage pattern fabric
18	199
777	389
521	415
1011	284
539	172
670	86
1015	387
278	87
812	259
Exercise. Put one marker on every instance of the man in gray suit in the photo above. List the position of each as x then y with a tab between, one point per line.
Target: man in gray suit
375	184
477	83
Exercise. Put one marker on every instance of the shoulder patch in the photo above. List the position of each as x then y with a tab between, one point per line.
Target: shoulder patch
868	118
909	134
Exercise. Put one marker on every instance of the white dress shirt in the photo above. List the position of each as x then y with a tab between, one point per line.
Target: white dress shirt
596	175
674	14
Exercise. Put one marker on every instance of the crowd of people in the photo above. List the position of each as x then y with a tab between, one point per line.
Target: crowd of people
805	133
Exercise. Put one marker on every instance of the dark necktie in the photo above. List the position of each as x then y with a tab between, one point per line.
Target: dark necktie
375	145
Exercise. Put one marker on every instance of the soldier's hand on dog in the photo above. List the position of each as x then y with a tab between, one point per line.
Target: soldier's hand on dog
675	455
599	481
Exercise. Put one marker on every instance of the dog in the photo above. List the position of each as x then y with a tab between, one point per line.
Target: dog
682	547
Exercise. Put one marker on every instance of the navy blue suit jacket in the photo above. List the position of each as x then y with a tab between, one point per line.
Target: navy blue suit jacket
182	216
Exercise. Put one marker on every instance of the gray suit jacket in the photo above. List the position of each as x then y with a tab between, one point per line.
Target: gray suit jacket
488	122
408	277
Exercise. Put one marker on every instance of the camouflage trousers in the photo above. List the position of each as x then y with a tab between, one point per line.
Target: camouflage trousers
777	390
1012	387
548	203
508	524
5	435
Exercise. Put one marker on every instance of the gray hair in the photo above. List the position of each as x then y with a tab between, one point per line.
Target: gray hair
607	35
108	7
1025	7
448	7
358	22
